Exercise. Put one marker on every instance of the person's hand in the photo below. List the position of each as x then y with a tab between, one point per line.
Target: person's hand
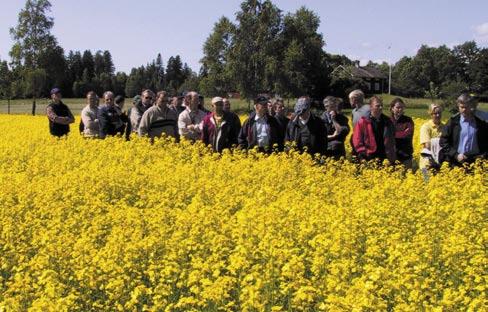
461	157
333	114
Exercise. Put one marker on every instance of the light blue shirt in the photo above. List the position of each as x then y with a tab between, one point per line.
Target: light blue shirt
468	140
262	131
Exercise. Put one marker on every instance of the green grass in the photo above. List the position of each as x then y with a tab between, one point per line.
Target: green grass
416	107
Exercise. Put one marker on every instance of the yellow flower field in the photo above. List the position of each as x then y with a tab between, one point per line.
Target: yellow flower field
91	225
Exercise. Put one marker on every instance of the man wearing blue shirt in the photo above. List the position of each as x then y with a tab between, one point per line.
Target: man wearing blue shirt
465	137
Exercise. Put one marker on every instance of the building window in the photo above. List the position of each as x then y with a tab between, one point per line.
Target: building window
377	86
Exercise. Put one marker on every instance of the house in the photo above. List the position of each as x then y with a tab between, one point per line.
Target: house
376	81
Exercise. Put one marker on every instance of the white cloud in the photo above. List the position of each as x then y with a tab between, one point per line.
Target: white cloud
366	45
481	33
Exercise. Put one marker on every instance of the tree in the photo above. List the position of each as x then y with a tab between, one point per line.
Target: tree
159	74
75	65
254	58
35	81
33	34
174	74
466	55
135	82
88	63
192	82
109	67
35	48
216	77
404	81
479	74
118	83
98	64
5	82
53	62
304	62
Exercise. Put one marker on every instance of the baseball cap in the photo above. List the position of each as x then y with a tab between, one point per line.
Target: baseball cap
261	100
55	90
303	104
217	99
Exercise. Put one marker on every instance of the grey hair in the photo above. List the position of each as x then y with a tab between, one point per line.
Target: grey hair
357	94
466	99
329	99
107	93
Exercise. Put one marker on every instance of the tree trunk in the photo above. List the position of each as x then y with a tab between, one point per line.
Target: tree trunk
8	106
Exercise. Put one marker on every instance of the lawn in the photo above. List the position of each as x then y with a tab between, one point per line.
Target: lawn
416	107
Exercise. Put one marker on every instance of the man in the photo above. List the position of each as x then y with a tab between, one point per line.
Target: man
374	135
159	119
260	130
220	129
89	116
226	105
190	120
59	115
337	126
177	104
306	130
280	116
465	137
201	105
359	109
109	117
136	112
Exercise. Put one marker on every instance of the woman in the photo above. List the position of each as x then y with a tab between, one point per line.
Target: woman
404	128
430	133
337	127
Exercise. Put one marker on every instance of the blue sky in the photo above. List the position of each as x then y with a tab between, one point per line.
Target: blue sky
135	31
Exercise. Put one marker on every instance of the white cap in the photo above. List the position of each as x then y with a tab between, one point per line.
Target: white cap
217	99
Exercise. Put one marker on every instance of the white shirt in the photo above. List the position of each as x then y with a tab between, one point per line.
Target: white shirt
262	131
90	121
194	118
303	122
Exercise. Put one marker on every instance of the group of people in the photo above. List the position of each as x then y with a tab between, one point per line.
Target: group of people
268	127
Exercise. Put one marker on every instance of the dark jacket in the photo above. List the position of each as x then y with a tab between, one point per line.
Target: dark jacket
247	136
312	136
336	146
404	128
450	137
59	110
110	121
224	137
283	123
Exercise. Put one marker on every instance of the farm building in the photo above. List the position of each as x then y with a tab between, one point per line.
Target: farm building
375	80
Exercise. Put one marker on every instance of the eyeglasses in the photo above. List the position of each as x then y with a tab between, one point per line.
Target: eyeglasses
148	98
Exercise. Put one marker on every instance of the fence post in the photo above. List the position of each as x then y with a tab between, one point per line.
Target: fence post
34	107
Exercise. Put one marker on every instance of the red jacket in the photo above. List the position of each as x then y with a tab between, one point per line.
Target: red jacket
364	142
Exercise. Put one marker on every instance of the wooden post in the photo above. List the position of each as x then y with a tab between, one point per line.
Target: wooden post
34	107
